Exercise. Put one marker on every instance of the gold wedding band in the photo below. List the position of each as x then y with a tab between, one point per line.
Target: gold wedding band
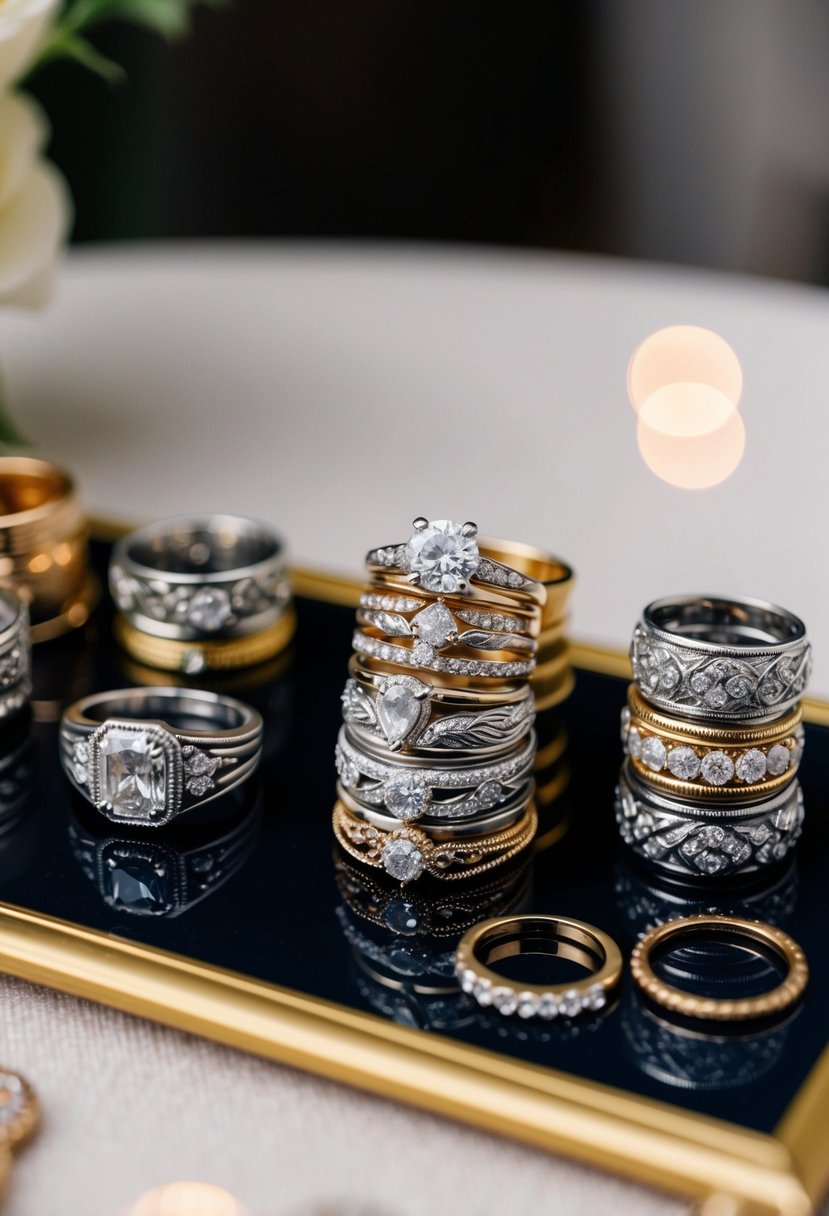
195	657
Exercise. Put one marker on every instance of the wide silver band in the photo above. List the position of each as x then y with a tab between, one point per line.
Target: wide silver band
15	655
146	755
706	657
401	713
202	577
690	839
414	789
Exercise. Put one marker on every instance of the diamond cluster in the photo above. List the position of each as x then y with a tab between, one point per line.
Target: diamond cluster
711	766
546	1005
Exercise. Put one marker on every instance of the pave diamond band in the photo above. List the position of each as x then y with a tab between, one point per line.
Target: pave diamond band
687	839
146	755
507	936
704	657
201	578
15	655
423	656
694	760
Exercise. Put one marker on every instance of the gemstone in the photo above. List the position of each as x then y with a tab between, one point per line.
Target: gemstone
199	786
548	1006
199	763
799	741
422	653
468	981
402	917
751	765
710	863
406	797
595	998
136	886
684	763
133	772
716	697
435	625
81	773
717	768
504	1000
194	662
399	710
483	992
570	1004
654	753
209	609
442	556
490	794
700	682
82	751
634	743
527	1005
403	860
778	759
626	715
669	676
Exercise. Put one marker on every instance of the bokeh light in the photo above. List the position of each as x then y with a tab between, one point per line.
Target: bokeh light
693	462
683	356
187	1199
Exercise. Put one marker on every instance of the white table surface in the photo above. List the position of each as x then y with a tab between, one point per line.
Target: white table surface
338	392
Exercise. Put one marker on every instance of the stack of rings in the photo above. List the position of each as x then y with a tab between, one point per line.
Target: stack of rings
436	755
199	595
713	736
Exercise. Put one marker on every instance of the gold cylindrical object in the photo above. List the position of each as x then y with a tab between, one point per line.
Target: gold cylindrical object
43	545
196	657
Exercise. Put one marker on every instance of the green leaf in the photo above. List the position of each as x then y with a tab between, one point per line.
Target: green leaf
73	46
170	18
10	436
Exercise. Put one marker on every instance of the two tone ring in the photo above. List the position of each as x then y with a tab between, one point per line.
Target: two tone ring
555	936
704	657
405	713
202	594
146	755
15	655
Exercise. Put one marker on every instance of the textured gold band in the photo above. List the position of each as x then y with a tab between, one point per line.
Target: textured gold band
449	860
196	657
719	1009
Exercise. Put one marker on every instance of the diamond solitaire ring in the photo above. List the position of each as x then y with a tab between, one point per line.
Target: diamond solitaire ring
145	755
443	558
202	593
706	657
15	652
556	936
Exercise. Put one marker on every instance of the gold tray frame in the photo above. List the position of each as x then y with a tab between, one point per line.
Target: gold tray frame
783	1174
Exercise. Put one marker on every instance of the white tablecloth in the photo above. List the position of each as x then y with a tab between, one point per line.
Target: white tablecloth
339	392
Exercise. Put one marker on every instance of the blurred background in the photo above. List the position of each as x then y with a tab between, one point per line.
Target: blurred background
693	133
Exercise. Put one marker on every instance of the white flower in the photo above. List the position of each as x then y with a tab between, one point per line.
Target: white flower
23	24
34	203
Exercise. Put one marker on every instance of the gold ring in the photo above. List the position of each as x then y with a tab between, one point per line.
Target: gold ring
43	545
694	760
554	936
770	940
195	657
408	852
555	576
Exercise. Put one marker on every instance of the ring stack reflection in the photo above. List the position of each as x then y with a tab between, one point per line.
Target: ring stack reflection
436	754
713	737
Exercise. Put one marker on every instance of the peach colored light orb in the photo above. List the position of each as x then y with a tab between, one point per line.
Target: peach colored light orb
693	462
685	355
187	1199
685	409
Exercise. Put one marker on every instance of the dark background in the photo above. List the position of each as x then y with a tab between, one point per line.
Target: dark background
695	133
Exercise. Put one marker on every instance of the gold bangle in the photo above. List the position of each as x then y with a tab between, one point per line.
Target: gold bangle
693	760
193	657
702	1008
43	545
409	852
558	936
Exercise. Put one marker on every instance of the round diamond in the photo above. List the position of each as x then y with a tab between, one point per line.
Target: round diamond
570	1003
209	609
442	556
595	998
483	992
468	981
527	1005
654	753
435	625
199	763
200	786
751	766
548	1006
423	653
504	1000
403	860
716	697
406	797
717	768
684	763
634	743
778	759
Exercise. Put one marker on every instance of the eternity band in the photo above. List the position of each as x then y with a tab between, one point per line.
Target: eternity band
559	936
206	577
692	840
761	938
15	655
146	755
705	657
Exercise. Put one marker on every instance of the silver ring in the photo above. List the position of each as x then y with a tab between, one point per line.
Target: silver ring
408	789
448	827
402	713
442	557
707	657
15	655
146	755
690	839
194	578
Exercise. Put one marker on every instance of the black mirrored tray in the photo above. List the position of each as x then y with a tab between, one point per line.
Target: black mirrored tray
248	925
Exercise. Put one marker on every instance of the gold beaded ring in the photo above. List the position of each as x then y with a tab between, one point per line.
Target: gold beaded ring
555	936
752	934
